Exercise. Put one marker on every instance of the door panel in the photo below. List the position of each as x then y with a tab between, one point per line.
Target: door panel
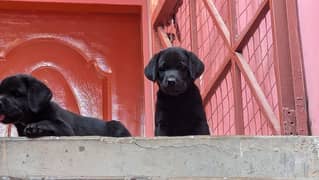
91	61
62	92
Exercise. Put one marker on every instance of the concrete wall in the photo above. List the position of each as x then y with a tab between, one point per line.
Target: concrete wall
309	28
287	157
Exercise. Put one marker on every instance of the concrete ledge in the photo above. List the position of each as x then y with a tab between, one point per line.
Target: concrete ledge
100	157
149	178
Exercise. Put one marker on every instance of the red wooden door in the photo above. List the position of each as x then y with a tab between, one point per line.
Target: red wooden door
90	56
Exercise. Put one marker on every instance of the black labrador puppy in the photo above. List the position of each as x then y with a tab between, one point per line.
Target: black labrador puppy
26	102
179	110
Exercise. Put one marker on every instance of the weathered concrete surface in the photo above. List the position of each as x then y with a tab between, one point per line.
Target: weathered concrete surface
151	178
264	157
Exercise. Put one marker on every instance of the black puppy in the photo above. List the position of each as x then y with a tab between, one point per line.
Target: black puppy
179	110
26	102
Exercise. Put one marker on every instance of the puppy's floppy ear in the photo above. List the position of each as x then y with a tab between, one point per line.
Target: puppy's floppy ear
39	95
196	66
150	70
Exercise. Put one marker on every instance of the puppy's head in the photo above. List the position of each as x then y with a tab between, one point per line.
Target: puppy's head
174	69
21	98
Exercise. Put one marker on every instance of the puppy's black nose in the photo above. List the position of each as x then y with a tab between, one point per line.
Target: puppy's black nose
171	81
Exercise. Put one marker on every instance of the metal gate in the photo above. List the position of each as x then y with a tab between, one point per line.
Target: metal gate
253	82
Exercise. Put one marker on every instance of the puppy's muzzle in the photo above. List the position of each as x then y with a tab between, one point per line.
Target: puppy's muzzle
171	81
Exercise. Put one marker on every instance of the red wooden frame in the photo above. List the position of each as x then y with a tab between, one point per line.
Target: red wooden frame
290	81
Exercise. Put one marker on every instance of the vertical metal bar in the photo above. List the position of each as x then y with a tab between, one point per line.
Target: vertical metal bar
147	121
282	62
232	21
238	101
298	76
235	74
193	26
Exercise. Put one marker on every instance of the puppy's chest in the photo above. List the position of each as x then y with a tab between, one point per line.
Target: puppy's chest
177	114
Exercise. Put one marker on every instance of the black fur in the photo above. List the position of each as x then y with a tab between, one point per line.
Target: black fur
26	103
179	110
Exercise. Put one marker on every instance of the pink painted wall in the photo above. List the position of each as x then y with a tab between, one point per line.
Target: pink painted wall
309	29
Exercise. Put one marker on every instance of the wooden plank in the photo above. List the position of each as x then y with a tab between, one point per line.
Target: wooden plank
298	75
257	92
251	27
163	38
218	20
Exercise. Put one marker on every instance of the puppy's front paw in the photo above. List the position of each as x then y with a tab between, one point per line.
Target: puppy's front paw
38	130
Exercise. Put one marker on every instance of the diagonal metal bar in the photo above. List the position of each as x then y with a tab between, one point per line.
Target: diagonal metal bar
210	87
157	10
251	27
257	91
244	67
218	20
163	37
